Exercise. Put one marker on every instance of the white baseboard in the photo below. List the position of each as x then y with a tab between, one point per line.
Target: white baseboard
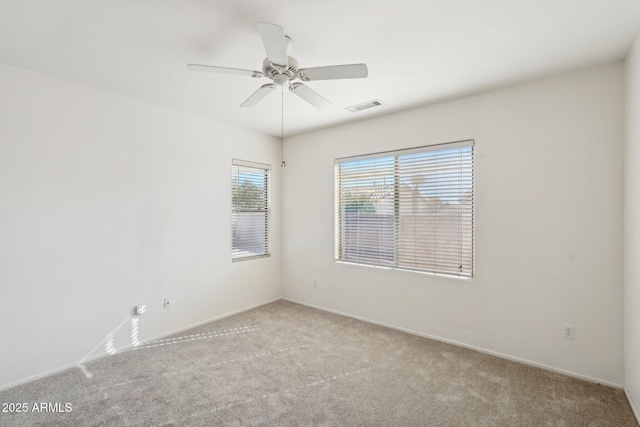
99	356
633	408
461	344
195	325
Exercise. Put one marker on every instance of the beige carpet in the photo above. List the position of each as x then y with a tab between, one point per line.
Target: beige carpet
284	364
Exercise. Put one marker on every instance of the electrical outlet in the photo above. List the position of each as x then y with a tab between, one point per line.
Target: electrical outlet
315	283
167	303
141	309
568	332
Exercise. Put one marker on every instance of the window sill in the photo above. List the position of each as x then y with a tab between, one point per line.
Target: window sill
407	270
247	258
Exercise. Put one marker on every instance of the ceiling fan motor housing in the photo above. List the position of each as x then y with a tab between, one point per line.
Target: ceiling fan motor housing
281	75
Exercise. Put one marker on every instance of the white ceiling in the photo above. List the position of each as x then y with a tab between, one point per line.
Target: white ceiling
417	51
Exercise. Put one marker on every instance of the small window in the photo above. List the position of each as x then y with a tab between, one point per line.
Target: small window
249	210
409	209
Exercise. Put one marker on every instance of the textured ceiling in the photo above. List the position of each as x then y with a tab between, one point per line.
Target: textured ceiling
417	51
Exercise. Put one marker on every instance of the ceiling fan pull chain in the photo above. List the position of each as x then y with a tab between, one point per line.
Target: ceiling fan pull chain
283	164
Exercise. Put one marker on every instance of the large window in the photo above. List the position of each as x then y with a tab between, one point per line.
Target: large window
249	210
409	209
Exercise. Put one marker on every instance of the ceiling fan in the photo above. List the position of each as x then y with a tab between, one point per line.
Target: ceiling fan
283	70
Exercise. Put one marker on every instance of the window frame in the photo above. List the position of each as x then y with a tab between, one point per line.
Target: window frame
265	170
394	265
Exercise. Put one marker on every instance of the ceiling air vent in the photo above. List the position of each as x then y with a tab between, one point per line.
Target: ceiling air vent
364	106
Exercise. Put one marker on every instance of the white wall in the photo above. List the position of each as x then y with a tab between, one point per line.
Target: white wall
632	227
107	202
549	224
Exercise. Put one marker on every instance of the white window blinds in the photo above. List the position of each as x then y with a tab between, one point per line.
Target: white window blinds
249	210
409	209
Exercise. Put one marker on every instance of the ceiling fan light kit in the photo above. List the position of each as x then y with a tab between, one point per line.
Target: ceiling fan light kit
283	70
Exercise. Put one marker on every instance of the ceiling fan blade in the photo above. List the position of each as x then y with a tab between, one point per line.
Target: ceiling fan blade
311	96
258	95
224	70
350	71
275	44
